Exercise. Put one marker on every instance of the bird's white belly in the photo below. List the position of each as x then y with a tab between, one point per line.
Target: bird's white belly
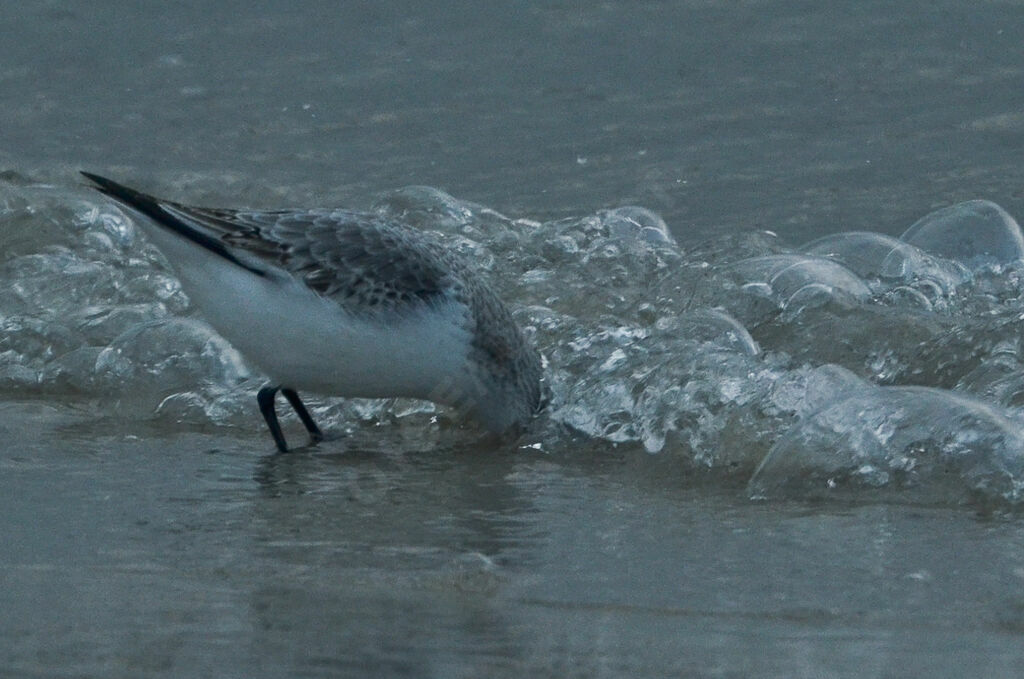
306	342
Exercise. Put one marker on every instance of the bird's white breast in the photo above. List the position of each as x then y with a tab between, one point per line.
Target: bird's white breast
310	343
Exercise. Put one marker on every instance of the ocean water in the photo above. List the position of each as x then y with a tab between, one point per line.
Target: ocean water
769	251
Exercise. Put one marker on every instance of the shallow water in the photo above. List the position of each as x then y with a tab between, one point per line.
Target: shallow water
786	430
191	554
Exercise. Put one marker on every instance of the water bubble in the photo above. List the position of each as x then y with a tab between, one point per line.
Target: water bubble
560	249
920	443
26	221
864	252
424	207
975	233
101	323
712	325
637	223
154	359
785	278
59	280
906	296
875	255
185	406
827	384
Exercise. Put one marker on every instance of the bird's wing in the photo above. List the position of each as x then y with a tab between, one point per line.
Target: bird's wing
357	259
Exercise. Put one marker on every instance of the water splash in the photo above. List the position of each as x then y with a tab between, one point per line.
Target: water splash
734	355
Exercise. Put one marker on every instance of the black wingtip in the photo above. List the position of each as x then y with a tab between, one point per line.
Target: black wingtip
150	207
94	178
104	184
147	205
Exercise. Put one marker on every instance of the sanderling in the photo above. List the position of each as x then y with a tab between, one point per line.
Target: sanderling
346	303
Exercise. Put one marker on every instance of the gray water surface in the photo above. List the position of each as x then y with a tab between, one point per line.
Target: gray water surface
199	556
794	116
140	540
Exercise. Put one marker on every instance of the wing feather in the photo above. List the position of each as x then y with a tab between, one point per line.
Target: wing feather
357	259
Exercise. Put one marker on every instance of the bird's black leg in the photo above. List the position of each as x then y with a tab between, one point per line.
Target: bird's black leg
265	398
315	434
